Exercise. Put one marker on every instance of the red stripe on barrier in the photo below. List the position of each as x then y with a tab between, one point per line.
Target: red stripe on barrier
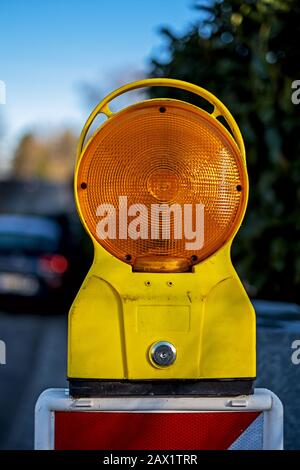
149	431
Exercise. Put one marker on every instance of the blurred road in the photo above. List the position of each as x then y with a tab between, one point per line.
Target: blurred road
36	360
276	372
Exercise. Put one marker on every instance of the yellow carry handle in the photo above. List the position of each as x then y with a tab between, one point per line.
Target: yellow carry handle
219	109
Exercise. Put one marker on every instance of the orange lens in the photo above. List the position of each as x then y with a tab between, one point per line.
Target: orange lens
163	155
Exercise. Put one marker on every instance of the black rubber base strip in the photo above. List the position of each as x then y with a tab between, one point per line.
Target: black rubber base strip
85	388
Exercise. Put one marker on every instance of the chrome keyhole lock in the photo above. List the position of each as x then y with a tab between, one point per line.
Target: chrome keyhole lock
162	354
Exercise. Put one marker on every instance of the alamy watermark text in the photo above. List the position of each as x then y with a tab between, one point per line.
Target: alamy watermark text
2	92
2	353
160	221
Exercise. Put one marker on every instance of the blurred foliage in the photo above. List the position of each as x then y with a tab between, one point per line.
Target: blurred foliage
48	158
247	53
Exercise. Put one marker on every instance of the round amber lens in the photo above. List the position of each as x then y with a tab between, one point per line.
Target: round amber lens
177	158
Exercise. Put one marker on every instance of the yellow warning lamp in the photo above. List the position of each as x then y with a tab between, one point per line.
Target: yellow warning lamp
161	188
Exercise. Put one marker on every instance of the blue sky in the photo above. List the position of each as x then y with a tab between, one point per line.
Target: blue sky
48	48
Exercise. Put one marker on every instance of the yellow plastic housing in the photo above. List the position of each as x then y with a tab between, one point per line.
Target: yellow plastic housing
124	306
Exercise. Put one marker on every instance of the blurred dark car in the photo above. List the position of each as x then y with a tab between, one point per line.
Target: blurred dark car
35	261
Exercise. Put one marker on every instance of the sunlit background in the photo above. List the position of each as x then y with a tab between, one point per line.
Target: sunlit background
57	57
57	60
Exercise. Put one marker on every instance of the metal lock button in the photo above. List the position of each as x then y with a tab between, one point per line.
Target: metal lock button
163	354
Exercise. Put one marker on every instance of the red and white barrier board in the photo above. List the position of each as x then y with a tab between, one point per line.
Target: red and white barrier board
160	423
